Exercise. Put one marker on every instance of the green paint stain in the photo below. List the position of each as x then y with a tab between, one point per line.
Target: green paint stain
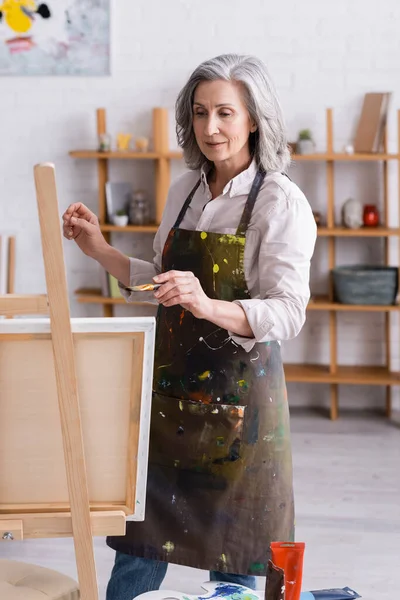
256	567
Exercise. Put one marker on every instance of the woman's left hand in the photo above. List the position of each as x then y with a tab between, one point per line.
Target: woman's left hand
182	287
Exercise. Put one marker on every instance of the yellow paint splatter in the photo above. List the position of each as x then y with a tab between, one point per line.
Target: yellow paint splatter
169	547
204	375
180	404
223	558
215	268
229	238
203	235
225	261
242	383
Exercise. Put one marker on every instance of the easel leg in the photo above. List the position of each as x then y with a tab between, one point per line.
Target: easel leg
64	362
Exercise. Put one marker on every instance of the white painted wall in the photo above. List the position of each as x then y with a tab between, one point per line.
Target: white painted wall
320	54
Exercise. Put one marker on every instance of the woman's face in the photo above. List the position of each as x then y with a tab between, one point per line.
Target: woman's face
221	122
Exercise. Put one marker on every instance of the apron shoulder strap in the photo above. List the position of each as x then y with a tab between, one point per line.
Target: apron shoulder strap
251	200
186	205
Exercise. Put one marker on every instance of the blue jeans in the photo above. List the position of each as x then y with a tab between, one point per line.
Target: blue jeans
132	576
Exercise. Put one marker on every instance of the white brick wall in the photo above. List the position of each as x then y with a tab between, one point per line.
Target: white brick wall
320	54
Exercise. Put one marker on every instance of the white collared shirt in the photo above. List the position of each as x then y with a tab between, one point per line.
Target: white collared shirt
280	242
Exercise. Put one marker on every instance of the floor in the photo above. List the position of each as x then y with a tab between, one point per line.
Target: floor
347	486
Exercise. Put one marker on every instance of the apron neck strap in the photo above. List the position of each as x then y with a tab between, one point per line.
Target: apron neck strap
186	205
251	200
248	209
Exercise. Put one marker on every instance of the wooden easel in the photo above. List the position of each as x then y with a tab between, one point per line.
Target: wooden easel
79	517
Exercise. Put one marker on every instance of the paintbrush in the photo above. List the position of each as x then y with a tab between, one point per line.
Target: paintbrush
145	287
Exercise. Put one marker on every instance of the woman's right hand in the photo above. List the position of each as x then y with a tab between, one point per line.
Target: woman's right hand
81	225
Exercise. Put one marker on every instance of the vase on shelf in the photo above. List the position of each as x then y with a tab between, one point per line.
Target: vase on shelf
138	209
371	215
352	214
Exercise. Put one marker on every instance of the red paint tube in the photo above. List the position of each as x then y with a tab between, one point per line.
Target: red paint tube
289	557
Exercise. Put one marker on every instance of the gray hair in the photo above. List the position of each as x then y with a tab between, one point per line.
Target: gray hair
268	143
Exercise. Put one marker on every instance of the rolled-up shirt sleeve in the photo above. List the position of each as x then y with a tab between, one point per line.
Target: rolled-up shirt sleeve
286	248
143	271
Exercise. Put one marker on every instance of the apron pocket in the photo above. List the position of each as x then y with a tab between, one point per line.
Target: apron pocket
204	438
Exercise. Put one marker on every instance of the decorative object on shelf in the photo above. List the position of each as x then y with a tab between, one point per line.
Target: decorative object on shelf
365	284
142	144
120	218
349	149
352	214
123	141
305	143
138	208
318	218
104	142
370	215
118	195
371	126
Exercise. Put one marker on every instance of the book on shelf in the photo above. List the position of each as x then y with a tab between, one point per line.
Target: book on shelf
118	195
371	126
109	285
6	262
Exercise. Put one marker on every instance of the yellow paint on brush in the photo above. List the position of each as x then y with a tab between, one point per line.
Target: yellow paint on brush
215	268
203	235
204	375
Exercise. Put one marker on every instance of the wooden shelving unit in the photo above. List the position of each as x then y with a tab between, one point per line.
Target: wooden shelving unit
161	156
332	374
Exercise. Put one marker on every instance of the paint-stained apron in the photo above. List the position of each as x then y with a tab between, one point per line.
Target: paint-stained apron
220	468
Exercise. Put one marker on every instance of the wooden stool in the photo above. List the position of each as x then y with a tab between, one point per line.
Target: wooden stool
22	581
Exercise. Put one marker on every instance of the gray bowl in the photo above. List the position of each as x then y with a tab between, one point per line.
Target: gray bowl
365	284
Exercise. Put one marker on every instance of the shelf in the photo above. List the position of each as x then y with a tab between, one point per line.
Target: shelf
94	296
338	156
323	303
128	154
361	232
366	375
130	228
321	231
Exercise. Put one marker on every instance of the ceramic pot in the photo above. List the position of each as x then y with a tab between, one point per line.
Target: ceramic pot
120	220
352	214
305	147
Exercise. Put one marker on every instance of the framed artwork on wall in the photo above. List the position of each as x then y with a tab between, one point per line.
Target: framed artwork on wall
55	37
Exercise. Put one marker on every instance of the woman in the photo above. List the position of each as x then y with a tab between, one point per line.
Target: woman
232	255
